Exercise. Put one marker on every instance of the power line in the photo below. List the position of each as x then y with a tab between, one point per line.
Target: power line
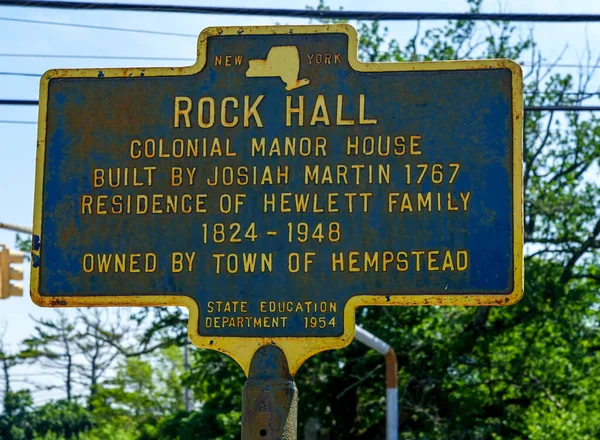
18	102
20	74
570	66
91	57
302	13
16	122
562	108
536	108
91	26
37	75
150	58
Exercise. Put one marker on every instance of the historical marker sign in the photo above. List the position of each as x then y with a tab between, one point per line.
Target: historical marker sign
277	184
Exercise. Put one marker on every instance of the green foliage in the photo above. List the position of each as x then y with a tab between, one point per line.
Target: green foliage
528	371
143	401
112	431
23	244
217	382
54	345
62	418
143	391
209	423
15	422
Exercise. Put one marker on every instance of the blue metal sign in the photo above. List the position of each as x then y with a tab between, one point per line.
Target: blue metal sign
278	184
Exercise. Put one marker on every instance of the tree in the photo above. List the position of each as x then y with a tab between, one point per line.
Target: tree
527	371
82	349
97	342
62	418
23	244
15	421
143	391
520	372
524	372
54	344
7	362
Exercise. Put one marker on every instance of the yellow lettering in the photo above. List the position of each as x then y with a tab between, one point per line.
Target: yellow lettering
98	177
86	204
361	113
135	144
289	110
211	112
415	145
235	104
432	260
133	261
252	111
88	263
337	262
465	199
320	113
462	260
339	119
448	262
176	262
418	255
185	112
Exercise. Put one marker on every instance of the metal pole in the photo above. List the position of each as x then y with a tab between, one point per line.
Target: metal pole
391	379
391	394
16	228
269	398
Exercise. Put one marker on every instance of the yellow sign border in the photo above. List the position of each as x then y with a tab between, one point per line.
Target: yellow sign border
296	349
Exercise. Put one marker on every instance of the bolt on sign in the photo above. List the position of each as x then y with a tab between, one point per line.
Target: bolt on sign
278	184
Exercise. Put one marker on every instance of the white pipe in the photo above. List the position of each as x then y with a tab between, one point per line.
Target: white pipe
372	341
391	413
391	394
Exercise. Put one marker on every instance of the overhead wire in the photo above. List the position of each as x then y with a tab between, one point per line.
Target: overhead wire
574	108
37	75
299	13
19	102
154	58
93	57
20	74
562	108
16	122
147	31
92	26
303	13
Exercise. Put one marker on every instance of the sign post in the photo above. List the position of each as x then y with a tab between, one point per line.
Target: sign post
269	398
278	184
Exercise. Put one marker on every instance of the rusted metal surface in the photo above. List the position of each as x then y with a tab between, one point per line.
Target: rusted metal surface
250	263
391	369
270	398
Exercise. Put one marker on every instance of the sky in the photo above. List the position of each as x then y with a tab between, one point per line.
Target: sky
17	141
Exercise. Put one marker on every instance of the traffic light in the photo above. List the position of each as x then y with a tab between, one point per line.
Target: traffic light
9	274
